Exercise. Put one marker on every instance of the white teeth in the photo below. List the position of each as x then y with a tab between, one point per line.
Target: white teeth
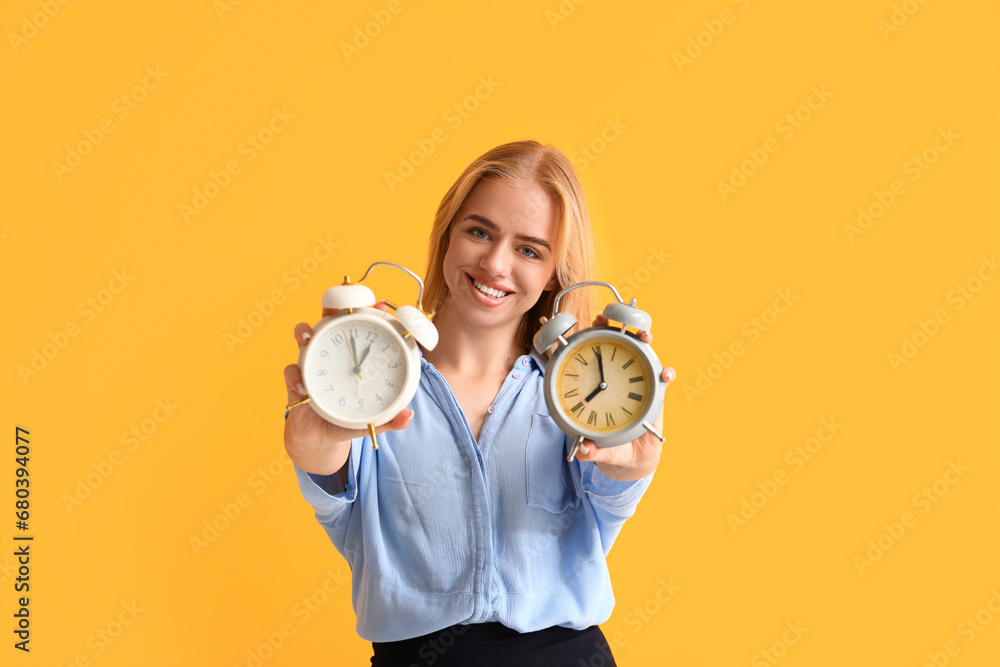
489	291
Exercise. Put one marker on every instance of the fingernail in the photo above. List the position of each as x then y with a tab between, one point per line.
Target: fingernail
671	374
306	336
299	388
584	449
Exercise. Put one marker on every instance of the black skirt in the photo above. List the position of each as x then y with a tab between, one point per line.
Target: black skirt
493	644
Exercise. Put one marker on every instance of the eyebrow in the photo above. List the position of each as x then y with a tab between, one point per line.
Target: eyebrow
486	222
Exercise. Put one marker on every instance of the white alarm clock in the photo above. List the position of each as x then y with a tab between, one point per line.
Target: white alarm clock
361	366
603	383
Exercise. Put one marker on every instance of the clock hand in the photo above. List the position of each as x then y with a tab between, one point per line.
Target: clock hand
364	355
601	387
600	367
354	354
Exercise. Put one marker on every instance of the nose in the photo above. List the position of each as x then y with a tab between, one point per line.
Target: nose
497	260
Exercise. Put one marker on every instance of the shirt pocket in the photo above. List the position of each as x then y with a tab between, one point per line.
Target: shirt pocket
548	475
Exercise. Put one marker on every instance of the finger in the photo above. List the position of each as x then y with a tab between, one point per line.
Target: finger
329	311
381	305
600	320
293	383
402	420
669	374
303	332
588	451
645	336
398	423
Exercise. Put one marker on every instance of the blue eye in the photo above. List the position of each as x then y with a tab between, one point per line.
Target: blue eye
479	233
528	252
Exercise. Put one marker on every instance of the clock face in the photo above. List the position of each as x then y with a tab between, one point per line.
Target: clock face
604	384
356	369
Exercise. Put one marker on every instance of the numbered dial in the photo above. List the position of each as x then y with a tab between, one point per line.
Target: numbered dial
604	384
356	370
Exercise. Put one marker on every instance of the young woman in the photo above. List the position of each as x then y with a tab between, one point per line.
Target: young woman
471	539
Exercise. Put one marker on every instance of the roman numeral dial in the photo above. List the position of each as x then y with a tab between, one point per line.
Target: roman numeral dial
603	384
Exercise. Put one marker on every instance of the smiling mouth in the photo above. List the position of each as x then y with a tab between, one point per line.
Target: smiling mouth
488	291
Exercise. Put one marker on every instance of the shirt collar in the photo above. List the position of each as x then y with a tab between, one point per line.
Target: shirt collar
533	358
539	360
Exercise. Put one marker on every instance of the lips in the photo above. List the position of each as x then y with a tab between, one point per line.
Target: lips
491	292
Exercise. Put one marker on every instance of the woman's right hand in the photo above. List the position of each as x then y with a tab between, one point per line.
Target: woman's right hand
314	444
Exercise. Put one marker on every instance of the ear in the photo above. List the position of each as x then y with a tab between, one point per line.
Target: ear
553	282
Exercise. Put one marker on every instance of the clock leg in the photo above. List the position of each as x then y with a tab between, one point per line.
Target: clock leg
574	448
652	429
371	432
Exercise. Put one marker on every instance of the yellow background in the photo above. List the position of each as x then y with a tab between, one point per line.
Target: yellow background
563	73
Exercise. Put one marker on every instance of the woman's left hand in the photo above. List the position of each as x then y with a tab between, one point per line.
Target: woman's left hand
636	459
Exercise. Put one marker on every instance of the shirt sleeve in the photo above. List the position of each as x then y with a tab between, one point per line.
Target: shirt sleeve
613	501
329	498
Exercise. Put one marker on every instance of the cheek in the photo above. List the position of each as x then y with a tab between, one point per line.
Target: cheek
548	278
453	259
541	280
450	255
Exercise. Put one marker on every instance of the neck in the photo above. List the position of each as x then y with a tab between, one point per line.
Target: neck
471	350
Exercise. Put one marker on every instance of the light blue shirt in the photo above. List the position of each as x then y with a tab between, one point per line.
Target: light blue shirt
439	528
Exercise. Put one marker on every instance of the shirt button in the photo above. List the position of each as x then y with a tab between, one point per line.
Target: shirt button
524	361
517	376
491	409
480	459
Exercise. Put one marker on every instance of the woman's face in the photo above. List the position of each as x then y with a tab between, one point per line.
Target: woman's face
501	252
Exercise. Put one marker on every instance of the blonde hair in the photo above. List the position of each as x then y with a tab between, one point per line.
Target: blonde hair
524	163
